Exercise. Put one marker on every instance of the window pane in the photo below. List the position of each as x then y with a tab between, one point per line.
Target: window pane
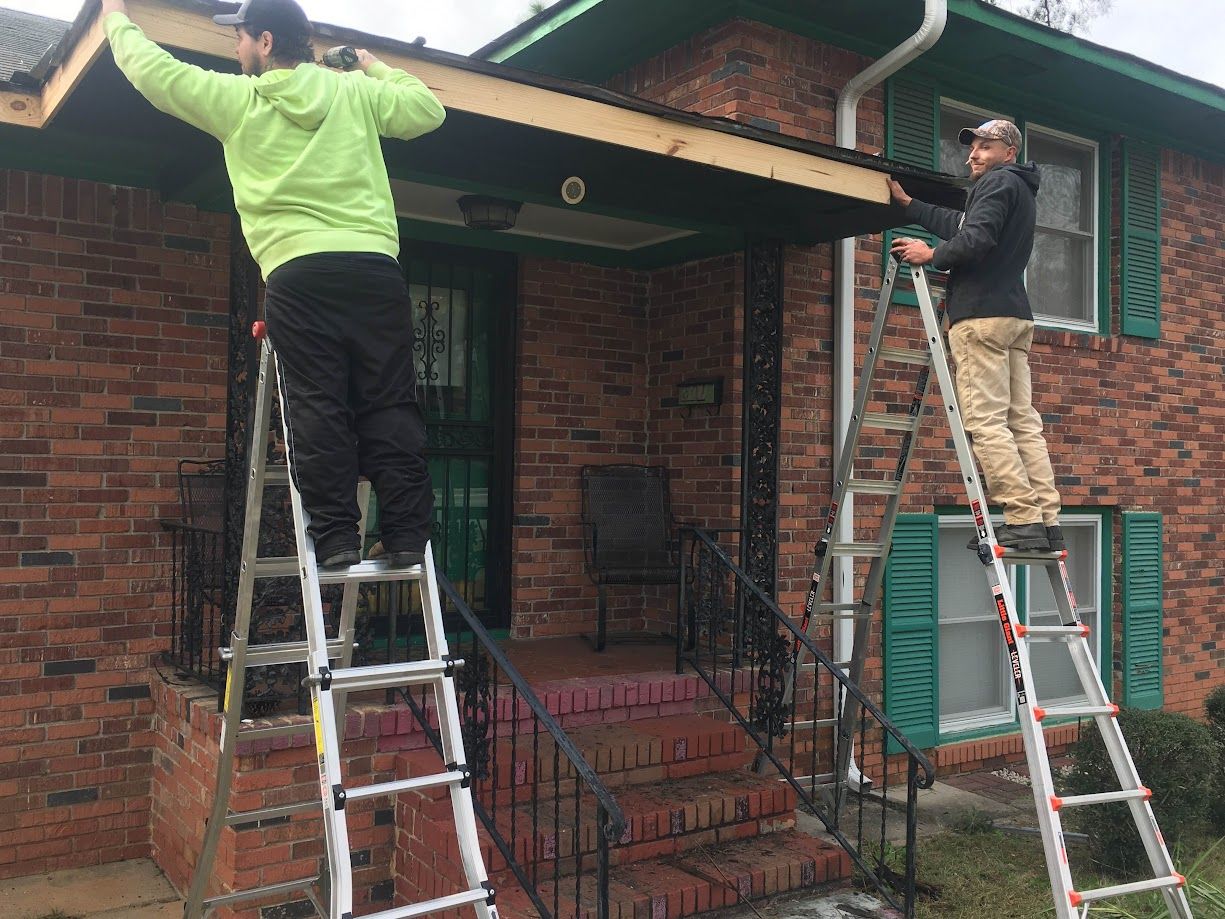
952	153
1058	278
1065	196
972	678
972	671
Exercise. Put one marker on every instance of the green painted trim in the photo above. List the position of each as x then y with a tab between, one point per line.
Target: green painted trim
1105	198
549	25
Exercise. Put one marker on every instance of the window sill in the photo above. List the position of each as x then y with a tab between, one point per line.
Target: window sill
1080	341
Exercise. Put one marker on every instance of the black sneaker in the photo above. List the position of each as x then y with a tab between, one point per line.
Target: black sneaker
404	559
1054	536
341	558
1029	537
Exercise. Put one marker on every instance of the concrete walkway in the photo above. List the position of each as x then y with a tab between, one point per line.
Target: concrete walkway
139	890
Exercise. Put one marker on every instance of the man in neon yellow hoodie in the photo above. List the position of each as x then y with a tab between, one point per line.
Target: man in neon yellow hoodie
311	188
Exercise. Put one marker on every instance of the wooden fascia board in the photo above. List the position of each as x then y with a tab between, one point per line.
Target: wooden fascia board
65	78
25	110
506	100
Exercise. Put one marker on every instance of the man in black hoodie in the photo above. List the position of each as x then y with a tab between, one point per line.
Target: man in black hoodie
992	327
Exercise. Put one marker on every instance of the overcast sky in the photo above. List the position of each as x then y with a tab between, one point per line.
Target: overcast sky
1179	34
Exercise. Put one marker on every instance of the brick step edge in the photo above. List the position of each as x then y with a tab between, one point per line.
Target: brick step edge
627	753
696	882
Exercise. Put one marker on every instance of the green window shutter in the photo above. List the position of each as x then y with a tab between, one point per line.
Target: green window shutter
1142	621
911	113
1141	229
912	674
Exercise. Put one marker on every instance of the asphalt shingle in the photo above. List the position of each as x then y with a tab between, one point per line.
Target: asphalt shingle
24	39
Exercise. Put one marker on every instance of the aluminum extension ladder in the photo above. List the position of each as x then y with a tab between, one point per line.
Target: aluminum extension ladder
1070	903
331	891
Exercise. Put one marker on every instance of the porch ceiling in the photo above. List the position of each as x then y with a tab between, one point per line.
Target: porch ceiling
689	184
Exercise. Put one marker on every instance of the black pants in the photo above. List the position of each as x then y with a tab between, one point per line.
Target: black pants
341	324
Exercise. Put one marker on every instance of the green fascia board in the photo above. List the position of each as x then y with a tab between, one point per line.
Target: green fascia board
596	39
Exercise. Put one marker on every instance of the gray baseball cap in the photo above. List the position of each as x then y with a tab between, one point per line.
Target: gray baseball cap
268	15
996	129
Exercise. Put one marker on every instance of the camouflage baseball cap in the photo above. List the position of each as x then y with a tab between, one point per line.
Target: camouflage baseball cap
996	129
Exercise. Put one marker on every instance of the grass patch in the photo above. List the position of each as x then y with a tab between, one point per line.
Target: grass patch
976	874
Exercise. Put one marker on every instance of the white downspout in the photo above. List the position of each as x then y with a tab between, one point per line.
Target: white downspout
935	14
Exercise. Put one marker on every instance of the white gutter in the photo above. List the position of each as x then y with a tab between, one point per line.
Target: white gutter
935	14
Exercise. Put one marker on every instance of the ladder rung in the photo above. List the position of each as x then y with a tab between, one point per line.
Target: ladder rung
1108	797
903	356
254	893
1075	711
433	906
1052	632
834	607
816	723
825	780
271	813
874	486
866	549
289	652
388	676
367	571
1029	557
276	475
888	421
1120	890
391	788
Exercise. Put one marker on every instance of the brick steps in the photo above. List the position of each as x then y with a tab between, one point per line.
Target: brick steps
712	877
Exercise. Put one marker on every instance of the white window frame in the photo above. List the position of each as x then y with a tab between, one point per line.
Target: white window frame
1095	234
972	723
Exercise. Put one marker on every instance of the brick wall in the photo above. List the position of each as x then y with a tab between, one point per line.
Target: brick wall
112	366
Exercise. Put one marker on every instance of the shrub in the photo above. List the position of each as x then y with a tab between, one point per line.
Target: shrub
1170	752
1214	707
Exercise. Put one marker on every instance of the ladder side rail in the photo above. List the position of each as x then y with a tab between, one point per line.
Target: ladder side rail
327	746
846	466
445	700
1094	687
236	672
901	473
347	630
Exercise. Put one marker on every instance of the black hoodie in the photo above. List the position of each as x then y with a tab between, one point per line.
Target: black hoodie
989	245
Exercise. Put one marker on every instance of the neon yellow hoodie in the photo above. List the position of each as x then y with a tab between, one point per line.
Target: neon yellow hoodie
301	146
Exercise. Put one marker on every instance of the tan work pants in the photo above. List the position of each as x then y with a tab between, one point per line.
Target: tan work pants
996	400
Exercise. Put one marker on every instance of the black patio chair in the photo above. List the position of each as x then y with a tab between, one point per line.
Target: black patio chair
629	536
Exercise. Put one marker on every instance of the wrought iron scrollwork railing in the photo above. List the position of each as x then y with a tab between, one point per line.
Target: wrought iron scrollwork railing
848	763
542	804
196	596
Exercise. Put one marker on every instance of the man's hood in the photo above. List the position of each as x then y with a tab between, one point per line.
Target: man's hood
1028	172
304	95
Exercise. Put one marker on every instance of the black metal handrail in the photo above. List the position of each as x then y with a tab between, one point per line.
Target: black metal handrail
743	646
503	717
196	597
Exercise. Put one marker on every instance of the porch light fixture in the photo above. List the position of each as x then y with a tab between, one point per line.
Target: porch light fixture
482	212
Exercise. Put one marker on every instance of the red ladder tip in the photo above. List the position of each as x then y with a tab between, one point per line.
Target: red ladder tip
1056	802
1022	630
1182	881
259	330
1148	792
1114	710
1076	898
1084	631
1039	713
999	551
